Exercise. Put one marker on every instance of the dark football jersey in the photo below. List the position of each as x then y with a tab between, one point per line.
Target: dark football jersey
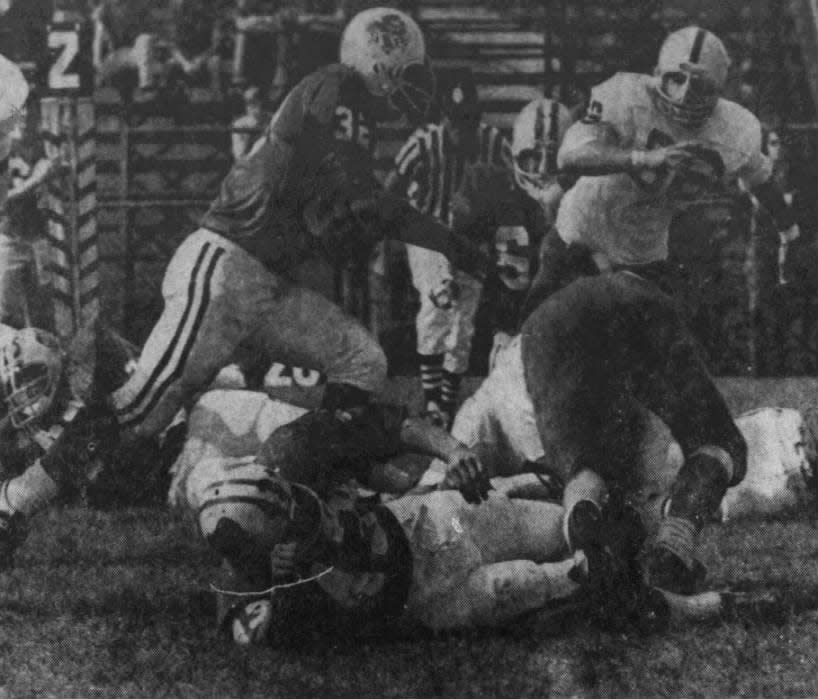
260	202
332	453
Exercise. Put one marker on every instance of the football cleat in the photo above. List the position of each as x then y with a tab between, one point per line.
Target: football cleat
86	442
611	538
13	532
584	526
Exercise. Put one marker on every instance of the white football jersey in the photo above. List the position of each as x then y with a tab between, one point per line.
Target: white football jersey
626	218
223	427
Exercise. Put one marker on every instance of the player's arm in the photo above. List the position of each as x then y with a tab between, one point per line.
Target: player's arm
595	145
464	469
392	216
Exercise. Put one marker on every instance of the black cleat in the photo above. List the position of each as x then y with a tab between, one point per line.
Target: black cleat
585	528
13	532
611	540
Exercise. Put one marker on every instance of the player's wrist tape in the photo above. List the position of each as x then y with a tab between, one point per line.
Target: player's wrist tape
639	159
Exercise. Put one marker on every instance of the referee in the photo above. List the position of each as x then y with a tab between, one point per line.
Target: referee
429	169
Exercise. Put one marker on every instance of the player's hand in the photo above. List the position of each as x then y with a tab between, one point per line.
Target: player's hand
282	560
673	156
466	473
445	295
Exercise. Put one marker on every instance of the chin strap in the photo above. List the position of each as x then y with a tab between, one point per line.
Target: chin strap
274	588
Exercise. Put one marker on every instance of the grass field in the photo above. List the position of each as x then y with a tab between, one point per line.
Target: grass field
117	605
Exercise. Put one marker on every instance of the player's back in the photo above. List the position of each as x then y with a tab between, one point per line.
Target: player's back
260	200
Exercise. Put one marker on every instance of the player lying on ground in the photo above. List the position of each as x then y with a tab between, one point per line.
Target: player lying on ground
43	385
432	560
782	452
567	385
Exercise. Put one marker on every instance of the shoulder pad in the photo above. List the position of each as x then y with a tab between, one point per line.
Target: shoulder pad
611	98
738	126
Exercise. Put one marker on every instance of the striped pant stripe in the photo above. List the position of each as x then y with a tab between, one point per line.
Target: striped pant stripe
172	363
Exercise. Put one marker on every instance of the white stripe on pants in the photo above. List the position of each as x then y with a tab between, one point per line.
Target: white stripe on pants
218	296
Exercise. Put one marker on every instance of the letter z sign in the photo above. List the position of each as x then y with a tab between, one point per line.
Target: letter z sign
69	65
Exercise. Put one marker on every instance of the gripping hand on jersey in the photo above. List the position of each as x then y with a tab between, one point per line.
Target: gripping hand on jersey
466	473
675	156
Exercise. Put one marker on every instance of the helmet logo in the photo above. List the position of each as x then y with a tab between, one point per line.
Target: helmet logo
389	32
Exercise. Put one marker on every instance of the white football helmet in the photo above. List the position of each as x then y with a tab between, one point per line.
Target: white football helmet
386	47
14	91
243	506
536	138
31	365
691	74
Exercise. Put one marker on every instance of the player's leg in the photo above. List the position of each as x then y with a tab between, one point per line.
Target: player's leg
212	290
459	341
452	543
662	365
497	593
571	357
303	328
209	289
430	271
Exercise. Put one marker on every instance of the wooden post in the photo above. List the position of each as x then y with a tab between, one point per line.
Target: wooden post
69	128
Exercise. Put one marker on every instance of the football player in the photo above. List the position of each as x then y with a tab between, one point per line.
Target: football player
430	169
433	559
647	147
44	386
298	193
516	211
561	398
13	96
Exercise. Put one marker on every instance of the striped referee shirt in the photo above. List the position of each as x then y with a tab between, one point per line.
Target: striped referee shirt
435	167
